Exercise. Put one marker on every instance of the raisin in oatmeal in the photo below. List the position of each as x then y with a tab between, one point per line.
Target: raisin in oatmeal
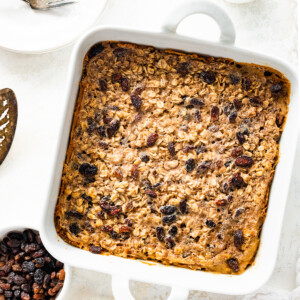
171	157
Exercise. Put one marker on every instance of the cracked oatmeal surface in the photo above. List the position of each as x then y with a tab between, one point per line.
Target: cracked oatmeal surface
171	157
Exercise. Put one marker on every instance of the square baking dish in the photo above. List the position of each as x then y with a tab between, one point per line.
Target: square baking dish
180	278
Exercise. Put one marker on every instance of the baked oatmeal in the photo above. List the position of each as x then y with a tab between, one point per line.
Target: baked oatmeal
171	157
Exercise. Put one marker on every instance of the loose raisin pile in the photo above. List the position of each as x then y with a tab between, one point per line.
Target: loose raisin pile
27	270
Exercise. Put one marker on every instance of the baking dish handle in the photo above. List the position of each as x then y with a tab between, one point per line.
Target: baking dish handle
121	290
206	7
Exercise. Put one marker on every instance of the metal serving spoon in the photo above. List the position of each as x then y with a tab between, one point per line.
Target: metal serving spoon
47	4
8	120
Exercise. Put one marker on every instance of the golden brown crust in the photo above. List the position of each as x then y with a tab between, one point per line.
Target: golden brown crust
157	130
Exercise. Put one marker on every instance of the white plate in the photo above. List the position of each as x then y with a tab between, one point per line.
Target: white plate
30	31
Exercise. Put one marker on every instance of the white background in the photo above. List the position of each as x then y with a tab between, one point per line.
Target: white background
268	26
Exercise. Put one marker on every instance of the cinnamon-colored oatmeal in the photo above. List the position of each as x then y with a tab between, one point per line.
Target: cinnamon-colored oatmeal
171	157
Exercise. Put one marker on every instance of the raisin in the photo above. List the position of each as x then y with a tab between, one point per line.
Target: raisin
151	140
39	262
173	230
238	212
203	167
208	76
135	172
190	165
129	222
183	206
145	158
234	79
115	210
124	84
95	50
160	233
107	228
183	69
238	239
107	120
233	264
237	104
157	185
196	102
88	170
237	151
13	243
276	88
151	193
25	296
254	101
8	294
74	214
15	235
4	286
188	148
120	52
279	119
103	85
74	228
136	101
171	148
221	202
237	181
170	242
117	77
104	205
125	228
168	209
86	198
246	84
114	235
169	219
210	223
32	247
267	73
28	266
38	276
200	149
214	113
113	128
197	116
101	131
232	117
244	161
95	249
241	137
227	110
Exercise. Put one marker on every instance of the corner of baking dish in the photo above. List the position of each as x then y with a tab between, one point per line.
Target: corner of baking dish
256	275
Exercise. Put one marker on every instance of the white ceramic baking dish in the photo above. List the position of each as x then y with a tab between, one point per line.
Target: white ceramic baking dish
180	279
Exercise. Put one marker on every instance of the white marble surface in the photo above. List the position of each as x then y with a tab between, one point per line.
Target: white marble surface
268	26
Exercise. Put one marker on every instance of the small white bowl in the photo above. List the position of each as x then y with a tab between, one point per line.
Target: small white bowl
63	292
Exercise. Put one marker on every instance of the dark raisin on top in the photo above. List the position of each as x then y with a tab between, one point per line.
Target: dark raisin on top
190	165
74	228
183	68
103	85
173	230
120	52
234	79
95	50
210	223
88	170
233	264
208	76
171	148
145	158
136	101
